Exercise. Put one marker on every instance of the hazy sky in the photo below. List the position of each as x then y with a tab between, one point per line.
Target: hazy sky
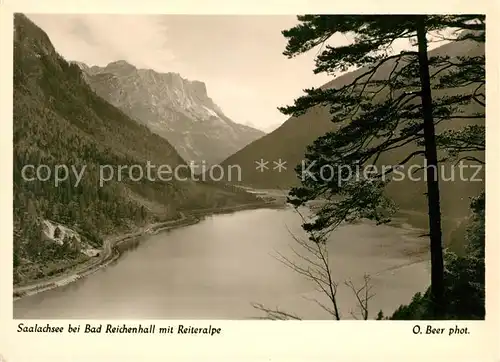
238	57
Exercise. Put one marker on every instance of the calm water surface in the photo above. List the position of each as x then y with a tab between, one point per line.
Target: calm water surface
215	269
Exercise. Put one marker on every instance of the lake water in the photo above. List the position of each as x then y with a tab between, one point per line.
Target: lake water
217	268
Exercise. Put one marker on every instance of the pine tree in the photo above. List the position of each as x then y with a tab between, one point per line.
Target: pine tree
397	102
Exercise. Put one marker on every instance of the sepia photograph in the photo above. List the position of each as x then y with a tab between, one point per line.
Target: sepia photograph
249	167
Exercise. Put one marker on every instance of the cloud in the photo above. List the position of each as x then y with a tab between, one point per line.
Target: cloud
238	57
98	39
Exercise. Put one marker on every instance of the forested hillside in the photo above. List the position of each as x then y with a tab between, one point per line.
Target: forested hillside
59	120
289	142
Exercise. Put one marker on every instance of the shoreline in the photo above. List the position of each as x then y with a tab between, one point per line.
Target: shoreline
110	252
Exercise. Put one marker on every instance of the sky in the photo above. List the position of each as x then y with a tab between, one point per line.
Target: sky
239	57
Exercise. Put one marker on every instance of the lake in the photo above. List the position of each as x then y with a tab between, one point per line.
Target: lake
217	268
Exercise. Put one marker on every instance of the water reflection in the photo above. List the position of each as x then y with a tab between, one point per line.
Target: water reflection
215	269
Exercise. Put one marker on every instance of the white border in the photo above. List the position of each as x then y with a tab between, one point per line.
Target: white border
255	340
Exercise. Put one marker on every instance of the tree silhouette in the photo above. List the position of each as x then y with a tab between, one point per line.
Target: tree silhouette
388	106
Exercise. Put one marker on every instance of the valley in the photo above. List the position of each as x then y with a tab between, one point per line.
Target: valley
95	235
60	122
290	141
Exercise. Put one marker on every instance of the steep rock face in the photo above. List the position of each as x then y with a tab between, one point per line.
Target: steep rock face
58	121
173	107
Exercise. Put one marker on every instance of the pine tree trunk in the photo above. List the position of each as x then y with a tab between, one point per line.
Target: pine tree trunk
437	265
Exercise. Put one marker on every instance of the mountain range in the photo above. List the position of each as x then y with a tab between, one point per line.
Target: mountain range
175	108
59	121
288	144
69	113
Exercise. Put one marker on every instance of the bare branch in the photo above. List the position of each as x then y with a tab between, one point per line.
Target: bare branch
471	158
363	295
316	268
275	314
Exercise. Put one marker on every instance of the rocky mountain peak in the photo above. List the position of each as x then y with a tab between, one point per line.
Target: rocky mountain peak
174	107
84	67
120	67
199	88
